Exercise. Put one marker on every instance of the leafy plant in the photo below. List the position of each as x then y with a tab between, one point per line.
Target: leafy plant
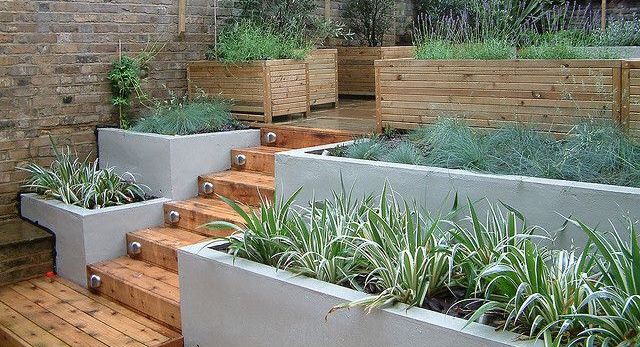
405	153
372	149
81	182
180	116
369	19
125	77
245	41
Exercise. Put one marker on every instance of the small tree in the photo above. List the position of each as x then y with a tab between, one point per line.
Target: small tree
370	19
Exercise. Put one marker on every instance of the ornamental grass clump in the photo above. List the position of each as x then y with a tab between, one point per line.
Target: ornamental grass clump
245	41
80	182
181	116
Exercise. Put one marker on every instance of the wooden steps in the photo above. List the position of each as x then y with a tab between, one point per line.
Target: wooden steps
249	188
144	287
26	251
159	245
44	312
198	211
257	159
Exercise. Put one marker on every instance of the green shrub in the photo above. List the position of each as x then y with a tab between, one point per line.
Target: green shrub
246	41
80	182
372	149
179	116
442	50
620	32
404	153
369	19
563	51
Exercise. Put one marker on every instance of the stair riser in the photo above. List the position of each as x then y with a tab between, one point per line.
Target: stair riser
297	138
257	162
247	194
165	257
194	220
154	306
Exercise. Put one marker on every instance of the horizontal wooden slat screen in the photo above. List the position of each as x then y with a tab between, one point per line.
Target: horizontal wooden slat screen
630	116
259	90
548	94
323	76
356	75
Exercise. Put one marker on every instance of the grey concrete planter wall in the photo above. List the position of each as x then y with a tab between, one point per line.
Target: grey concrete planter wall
227	302
170	165
86	236
544	202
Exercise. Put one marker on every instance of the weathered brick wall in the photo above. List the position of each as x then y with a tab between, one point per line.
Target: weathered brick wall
54	59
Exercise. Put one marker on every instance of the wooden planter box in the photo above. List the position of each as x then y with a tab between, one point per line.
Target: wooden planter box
323	77
356	74
260	90
548	94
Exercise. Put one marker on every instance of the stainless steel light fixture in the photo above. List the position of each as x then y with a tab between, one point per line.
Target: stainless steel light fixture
207	188
174	217
134	248
95	282
240	159
270	137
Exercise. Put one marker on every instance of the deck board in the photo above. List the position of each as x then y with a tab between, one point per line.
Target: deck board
44	312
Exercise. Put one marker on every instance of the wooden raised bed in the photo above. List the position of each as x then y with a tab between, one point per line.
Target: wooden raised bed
548	94
630	109
260	90
356	74
323	77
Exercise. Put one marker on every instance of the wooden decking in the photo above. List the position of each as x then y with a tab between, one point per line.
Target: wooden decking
356	115
53	312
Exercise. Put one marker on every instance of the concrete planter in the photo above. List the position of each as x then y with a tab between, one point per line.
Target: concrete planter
170	165
86	236
222	296
544	202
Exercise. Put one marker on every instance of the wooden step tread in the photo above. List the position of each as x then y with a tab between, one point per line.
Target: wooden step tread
159	245
198	211
263	149
147	288
242	177
55	312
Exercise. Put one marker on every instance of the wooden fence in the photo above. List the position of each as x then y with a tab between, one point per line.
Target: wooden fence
356	75
548	94
260	90
323	76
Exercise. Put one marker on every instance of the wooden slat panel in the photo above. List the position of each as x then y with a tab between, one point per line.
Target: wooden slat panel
355	67
16	330
550	94
323	72
630	101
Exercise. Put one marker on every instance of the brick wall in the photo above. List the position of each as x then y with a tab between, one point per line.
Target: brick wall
54	58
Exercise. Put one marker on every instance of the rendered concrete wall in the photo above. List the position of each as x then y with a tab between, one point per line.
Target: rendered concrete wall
220	297
86	236
544	202
170	165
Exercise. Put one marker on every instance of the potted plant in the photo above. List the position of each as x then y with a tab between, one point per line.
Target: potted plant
89	210
369	20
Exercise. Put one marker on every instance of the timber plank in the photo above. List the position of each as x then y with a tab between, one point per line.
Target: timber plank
17	330
249	188
196	212
159	245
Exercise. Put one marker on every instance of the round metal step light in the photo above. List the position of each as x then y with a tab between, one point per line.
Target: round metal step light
270	137
241	159
95	282
174	217
134	248
207	188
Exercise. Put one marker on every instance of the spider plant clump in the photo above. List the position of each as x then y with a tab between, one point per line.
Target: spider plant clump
180	116
80	182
